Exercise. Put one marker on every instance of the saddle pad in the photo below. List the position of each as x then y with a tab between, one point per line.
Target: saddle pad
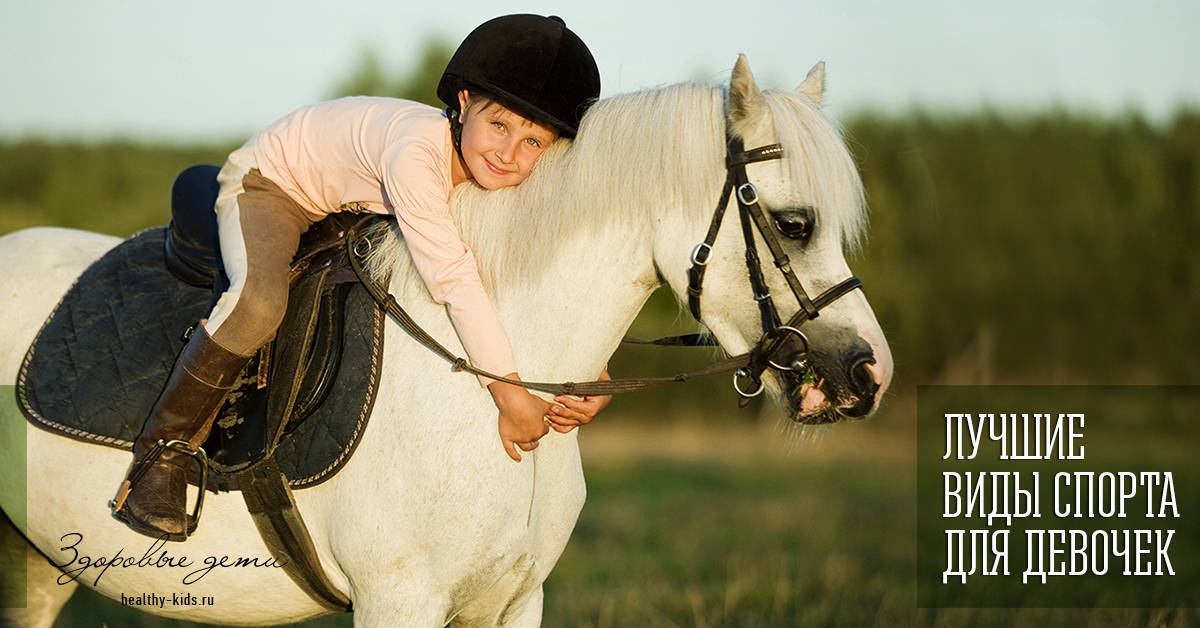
100	361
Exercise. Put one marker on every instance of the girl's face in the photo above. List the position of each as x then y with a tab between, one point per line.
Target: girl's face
499	147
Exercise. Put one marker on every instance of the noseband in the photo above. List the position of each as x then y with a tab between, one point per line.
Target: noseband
775	334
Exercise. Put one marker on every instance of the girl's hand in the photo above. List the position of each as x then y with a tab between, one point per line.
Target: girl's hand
571	412
522	417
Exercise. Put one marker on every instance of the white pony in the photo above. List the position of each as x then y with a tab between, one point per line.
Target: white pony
430	522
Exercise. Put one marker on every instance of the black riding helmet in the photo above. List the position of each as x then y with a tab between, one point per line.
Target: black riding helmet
531	64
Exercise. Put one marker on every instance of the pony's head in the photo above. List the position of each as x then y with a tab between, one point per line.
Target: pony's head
634	193
812	202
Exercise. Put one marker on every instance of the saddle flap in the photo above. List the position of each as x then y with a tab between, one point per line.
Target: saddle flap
76	381
292	351
302	361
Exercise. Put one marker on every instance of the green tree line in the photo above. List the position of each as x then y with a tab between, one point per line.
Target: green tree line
1055	246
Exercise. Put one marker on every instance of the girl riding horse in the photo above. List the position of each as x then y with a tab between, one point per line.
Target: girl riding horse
515	85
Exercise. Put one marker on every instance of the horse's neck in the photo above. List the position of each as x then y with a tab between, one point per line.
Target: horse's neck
568	321
571	253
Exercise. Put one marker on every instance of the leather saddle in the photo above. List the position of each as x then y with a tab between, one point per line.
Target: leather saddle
100	360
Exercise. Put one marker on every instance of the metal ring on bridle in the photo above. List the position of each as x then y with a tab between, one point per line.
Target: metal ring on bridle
747	193
703	246
745	373
364	250
796	364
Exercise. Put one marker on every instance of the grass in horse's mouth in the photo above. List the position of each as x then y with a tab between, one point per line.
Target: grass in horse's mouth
828	413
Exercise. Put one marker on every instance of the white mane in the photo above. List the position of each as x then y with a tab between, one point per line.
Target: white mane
638	155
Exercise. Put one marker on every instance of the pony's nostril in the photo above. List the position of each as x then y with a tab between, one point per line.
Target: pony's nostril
862	379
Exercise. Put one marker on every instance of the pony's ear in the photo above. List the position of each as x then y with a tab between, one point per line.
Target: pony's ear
814	84
747	107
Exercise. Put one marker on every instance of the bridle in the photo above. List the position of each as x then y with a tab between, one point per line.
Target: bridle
775	335
747	367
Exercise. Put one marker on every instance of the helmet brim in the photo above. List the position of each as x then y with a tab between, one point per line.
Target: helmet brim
510	101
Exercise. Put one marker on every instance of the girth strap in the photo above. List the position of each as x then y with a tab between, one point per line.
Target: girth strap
274	511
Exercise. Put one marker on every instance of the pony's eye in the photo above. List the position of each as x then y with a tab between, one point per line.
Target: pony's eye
795	224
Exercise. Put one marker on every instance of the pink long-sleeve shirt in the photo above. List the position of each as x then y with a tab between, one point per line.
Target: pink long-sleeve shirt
389	156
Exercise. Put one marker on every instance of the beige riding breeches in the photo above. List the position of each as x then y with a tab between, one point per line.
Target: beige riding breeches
259	228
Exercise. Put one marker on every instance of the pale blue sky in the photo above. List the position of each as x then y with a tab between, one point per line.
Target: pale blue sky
220	69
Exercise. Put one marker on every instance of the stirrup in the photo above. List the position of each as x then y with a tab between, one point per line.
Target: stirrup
140	469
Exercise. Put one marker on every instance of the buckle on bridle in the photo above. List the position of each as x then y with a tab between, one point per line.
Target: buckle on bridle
362	247
704	247
747	194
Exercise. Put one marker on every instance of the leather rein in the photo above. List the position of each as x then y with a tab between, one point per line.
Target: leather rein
747	366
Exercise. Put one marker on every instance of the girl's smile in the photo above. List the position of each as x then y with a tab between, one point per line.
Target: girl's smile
499	147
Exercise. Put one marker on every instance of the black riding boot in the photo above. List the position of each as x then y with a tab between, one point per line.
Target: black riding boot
155	503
